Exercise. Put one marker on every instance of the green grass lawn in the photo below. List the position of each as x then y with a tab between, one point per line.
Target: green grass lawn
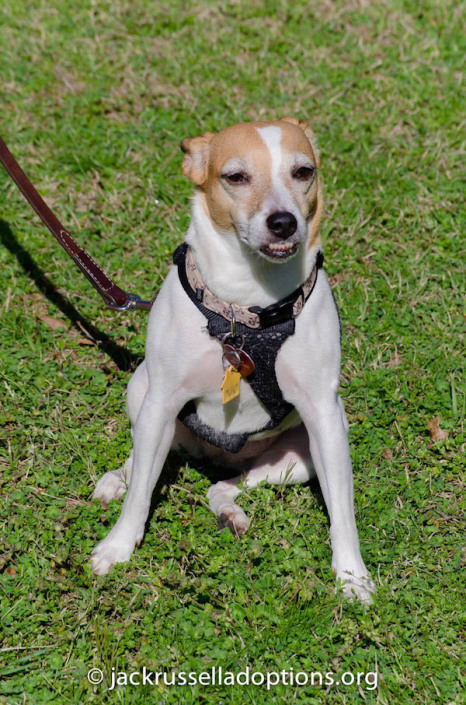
95	98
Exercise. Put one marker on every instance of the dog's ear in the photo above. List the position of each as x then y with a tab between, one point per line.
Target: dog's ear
196	150
307	129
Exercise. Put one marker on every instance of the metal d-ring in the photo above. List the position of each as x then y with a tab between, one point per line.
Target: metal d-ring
233	333
233	321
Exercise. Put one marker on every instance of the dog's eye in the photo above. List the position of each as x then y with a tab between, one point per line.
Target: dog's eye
236	178
303	173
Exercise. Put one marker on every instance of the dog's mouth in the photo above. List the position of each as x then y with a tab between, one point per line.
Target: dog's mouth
279	250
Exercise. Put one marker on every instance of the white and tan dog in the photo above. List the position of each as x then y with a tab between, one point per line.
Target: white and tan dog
254	239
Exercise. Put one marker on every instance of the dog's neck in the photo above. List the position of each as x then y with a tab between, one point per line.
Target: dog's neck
234	273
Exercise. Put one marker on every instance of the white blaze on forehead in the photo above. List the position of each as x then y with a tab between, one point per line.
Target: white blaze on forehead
272	136
279	198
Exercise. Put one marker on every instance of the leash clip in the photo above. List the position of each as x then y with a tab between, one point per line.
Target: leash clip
132	301
233	321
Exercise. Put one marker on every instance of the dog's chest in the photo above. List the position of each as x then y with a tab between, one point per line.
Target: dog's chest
257	403
243	414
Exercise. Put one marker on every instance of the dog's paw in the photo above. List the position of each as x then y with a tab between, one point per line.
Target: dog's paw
356	588
110	486
235	519
107	553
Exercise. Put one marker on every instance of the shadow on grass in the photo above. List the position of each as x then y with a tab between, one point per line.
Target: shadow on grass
176	460
121	356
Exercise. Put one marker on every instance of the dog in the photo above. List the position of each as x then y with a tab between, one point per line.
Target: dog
243	345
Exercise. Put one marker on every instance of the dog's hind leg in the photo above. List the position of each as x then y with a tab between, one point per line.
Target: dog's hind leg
114	483
221	498
287	461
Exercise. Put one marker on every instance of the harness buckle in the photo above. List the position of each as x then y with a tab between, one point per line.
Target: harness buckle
279	312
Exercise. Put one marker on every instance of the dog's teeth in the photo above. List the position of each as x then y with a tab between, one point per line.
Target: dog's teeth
279	250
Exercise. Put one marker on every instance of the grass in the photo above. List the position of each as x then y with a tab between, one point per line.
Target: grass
95	100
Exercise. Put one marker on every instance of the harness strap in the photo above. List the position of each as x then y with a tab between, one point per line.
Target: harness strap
262	346
231	442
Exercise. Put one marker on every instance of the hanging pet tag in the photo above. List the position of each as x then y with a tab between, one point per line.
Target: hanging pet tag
238	359
230	385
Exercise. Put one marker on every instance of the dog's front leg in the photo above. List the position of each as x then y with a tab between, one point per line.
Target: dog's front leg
153	434
327	428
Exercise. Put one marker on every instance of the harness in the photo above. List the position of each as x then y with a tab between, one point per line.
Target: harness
262	332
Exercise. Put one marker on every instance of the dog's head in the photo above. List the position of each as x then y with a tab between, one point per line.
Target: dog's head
260	180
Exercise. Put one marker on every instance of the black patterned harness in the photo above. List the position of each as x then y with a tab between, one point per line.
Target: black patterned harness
262	343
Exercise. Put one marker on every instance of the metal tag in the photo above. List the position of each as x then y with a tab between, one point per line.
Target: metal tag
238	359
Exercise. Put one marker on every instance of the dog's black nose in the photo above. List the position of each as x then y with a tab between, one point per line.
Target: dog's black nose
282	224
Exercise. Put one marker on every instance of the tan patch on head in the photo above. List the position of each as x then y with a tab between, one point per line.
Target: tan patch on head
196	150
308	131
240	144
241	148
206	157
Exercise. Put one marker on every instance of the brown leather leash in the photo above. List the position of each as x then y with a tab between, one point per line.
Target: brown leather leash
114	297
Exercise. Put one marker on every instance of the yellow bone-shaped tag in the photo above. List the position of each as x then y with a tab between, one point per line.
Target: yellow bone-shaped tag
230	384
